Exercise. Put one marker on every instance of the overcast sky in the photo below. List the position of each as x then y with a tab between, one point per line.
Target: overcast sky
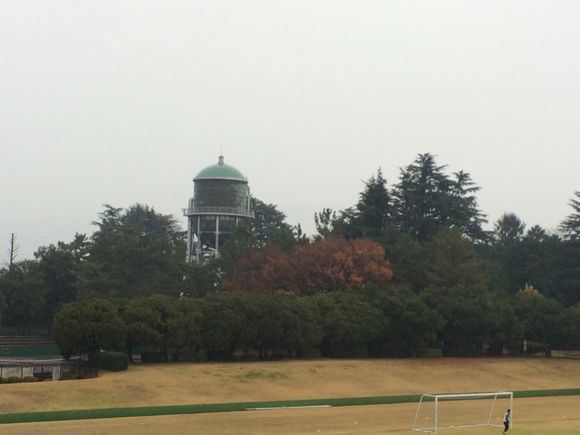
121	102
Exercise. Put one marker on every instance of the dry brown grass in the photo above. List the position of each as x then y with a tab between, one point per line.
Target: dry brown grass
144	385
541	416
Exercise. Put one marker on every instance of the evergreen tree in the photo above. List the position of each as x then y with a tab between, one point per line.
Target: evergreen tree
410	326
135	252
545	320
509	229
350	324
88	326
571	225
343	223
454	263
23	295
426	200
373	209
506	250
419	197
539	255
464	211
369	218
61	266
270	226
325	222
569	272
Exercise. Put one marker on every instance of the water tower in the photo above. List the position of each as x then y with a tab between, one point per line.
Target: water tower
221	200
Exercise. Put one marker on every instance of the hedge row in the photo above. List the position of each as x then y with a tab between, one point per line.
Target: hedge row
111	361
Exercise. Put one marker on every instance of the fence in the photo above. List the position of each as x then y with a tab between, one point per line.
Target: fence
27	370
572	354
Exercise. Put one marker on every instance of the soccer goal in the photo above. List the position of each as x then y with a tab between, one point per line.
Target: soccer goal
438	411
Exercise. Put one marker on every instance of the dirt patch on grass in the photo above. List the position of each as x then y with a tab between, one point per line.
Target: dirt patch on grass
260	374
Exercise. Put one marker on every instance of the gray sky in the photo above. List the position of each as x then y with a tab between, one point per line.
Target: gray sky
125	101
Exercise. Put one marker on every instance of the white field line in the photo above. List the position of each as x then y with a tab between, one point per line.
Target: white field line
271	408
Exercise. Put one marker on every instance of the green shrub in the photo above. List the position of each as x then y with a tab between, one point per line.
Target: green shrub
12	380
151	357
29	379
431	352
534	347
67	376
187	356
201	357
309	354
111	361
514	348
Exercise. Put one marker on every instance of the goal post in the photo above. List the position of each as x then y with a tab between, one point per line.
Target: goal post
438	411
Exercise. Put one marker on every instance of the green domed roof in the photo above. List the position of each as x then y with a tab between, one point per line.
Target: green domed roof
220	170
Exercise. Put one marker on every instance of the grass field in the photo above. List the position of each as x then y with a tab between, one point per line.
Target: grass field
551	416
175	384
242	382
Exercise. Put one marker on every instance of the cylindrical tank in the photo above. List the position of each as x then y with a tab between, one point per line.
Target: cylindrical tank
221	200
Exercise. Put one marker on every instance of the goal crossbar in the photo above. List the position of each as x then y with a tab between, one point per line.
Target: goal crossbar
435	399
468	395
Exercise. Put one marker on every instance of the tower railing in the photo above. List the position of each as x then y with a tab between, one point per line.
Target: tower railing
234	211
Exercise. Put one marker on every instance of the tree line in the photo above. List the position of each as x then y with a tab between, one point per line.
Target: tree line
414	255
369	323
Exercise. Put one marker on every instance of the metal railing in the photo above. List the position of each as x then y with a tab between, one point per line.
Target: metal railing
30	370
236	211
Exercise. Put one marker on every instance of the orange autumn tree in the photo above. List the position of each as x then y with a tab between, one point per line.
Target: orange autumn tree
323	266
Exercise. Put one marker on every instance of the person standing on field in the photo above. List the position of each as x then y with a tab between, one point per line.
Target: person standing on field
507	420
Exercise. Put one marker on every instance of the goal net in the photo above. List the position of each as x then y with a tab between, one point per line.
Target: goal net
438	411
